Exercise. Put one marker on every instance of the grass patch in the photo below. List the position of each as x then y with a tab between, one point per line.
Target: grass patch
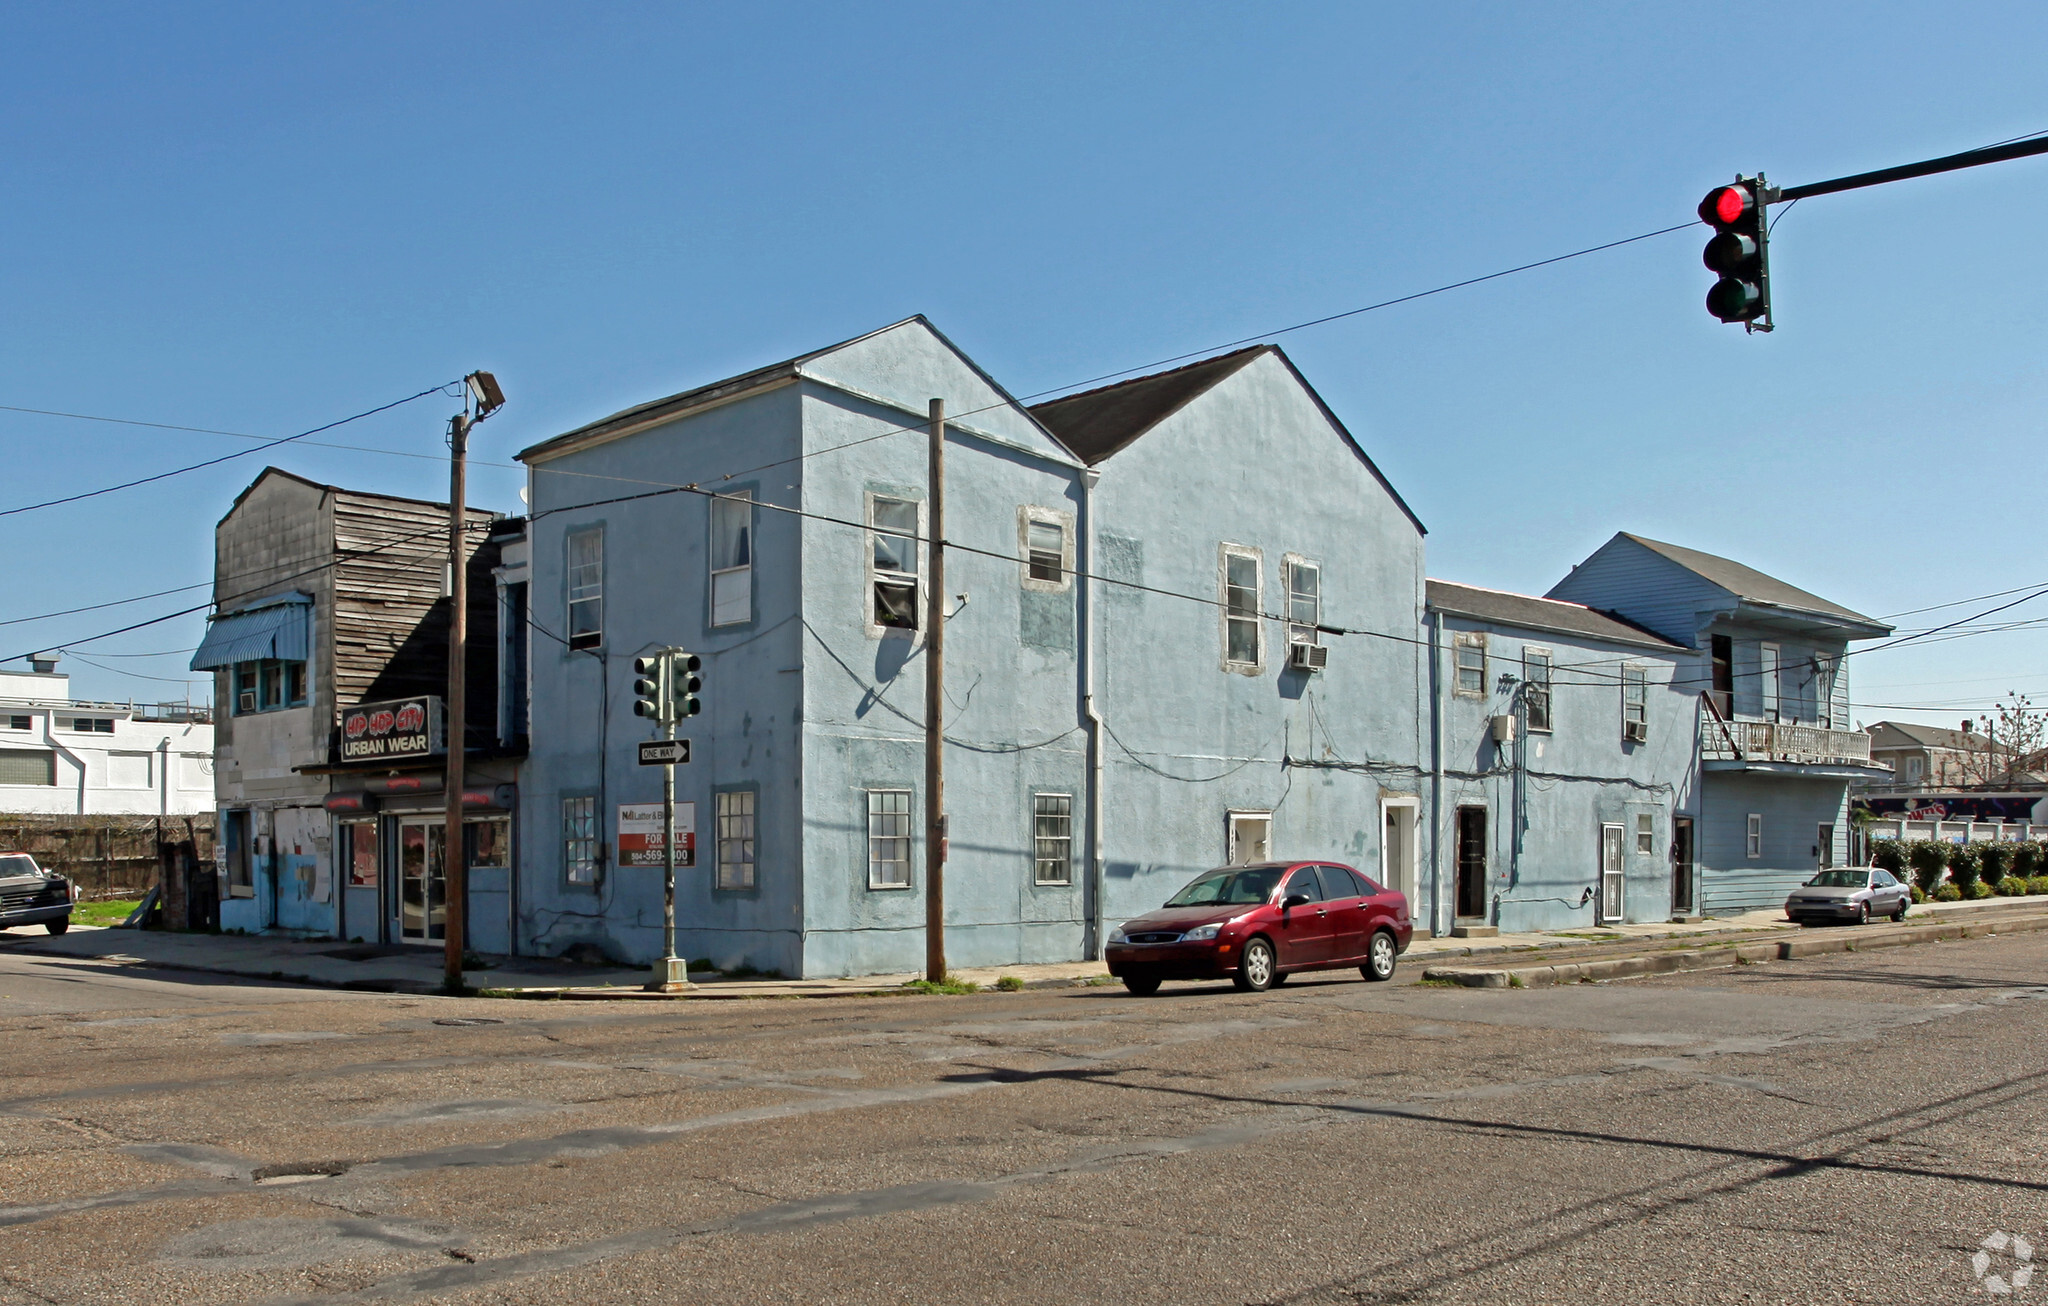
1515	982
1010	983
1603	936
1436	982
103	913
949	986
1097	981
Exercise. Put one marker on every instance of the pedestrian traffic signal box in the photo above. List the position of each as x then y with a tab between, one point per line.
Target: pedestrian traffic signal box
1738	254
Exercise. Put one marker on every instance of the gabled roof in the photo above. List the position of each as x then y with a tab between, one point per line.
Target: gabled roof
1097	424
656	411
1749	584
1552	615
1881	733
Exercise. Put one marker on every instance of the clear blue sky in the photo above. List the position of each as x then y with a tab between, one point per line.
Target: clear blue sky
263	217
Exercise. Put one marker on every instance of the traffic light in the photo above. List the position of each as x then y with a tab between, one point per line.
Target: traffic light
1738	253
650	691
684	684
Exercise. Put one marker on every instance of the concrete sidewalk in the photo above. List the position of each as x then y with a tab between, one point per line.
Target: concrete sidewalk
401	969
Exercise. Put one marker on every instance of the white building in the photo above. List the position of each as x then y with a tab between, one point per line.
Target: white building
61	756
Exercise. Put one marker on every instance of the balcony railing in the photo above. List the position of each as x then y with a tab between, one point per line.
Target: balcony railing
1775	741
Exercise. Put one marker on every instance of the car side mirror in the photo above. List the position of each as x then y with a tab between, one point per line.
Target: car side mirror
1294	900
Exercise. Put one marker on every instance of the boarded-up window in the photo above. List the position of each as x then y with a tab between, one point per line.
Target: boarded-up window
732	559
27	766
128	770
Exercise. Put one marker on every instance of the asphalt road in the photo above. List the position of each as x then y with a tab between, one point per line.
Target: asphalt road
1850	1128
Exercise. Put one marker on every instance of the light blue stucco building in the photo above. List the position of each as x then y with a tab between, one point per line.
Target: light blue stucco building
1128	573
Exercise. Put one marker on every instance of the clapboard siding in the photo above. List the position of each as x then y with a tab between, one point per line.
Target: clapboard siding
390	619
1649	589
1792	809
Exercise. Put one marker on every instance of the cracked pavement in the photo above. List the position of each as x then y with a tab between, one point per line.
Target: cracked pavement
1847	1128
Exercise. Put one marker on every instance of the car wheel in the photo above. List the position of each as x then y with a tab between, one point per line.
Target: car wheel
1899	913
1143	986
1255	970
1863	913
58	926
1379	958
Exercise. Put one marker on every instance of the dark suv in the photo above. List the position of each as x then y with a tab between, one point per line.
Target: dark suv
30	895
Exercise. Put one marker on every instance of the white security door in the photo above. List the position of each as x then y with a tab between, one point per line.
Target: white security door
1610	873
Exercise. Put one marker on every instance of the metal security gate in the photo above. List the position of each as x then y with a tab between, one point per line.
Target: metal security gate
1611	878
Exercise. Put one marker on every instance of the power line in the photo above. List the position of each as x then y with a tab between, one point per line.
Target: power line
211	462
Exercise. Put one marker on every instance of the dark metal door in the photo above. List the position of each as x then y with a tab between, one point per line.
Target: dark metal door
1681	866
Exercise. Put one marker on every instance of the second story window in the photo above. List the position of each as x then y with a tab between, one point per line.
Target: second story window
1045	541
1767	677
1242	649
1635	704
1304	600
267	686
586	587
1470	647
1536	687
896	563
732	559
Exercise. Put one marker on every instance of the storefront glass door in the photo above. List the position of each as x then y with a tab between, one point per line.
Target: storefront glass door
422	886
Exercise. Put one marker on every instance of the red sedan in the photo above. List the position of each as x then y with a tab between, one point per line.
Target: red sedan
1259	924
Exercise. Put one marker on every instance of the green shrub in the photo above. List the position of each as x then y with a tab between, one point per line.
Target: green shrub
1978	889
1010	983
1928	858
1919	894
1889	855
2012	886
2037	884
2026	859
1964	866
1994	861
1948	893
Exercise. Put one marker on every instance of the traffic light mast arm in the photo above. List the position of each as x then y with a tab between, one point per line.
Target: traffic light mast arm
1905	171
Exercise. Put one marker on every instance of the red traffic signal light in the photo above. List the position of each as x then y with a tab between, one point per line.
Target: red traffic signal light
1737	253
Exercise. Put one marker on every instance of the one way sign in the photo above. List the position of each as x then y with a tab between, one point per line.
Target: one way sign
663	752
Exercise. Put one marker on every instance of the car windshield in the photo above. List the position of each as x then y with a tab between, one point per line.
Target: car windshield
14	864
1229	886
1840	880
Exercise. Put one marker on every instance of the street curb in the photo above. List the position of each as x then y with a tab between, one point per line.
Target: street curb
1661	963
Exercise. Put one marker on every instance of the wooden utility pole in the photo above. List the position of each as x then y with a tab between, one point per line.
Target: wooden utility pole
455	866
934	701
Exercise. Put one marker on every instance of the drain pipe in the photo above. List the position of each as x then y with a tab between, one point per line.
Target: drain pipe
1438	927
1091	944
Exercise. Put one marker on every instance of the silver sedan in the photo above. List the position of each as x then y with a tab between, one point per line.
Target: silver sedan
1850	893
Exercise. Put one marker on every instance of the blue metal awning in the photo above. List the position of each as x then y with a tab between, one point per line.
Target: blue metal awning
277	627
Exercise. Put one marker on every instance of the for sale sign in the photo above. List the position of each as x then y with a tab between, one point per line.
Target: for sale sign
640	834
403	727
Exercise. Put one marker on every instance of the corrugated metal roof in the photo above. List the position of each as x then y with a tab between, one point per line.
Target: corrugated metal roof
280	626
1532	613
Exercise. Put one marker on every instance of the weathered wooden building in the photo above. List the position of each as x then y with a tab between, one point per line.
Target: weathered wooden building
329	648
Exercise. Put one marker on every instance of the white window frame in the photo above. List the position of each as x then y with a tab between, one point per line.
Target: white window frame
1227	615
1646	834
1824	841
1825	669
1753	837
1060	846
731	588
1635	702
1769	660
1304	610
580	839
876	576
1060	521
735	825
1232	821
1535	691
1461	641
885	813
581	589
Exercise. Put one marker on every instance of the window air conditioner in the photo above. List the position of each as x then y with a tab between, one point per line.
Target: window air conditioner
1503	729
1307	657
1636	730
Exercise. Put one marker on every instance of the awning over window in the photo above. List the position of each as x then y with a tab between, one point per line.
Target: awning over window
277	627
